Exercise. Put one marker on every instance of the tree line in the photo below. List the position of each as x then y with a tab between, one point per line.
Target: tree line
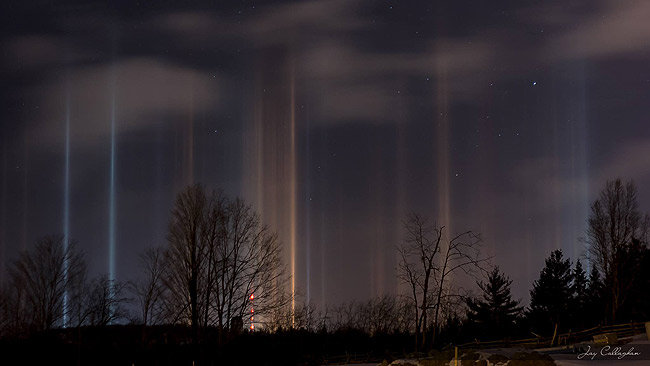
221	270
220	264
564	297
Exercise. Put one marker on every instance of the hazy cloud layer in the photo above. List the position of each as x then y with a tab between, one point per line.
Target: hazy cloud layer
131	90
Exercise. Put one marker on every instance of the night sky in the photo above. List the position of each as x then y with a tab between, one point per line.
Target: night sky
334	118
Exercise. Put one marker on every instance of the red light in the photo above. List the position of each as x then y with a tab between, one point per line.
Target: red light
252	296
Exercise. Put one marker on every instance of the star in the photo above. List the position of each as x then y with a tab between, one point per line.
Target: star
534	83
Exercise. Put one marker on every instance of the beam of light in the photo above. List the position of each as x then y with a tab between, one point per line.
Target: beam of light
253	174
556	164
270	161
376	252
292	193
307	237
3	208
442	150
579	165
322	226
582	170
323	273
66	201
190	140
112	219
111	210
399	210
160	215
25	189
254	169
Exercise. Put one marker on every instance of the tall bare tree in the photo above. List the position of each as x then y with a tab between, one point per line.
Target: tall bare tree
616	224
249	266
149	291
221	261
428	259
416	265
45	274
461	253
185	256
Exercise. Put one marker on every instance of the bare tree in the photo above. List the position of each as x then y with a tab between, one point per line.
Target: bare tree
461	253
283	317
149	291
221	262
185	257
428	258
13	318
416	265
304	316
78	294
381	315
249	269
378	315
344	316
45	274
106	301
615	225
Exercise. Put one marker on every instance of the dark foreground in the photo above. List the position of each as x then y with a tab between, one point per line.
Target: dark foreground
136	345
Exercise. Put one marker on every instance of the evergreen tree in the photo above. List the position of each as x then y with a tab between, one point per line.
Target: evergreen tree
633	275
551	295
595	307
495	310
580	299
